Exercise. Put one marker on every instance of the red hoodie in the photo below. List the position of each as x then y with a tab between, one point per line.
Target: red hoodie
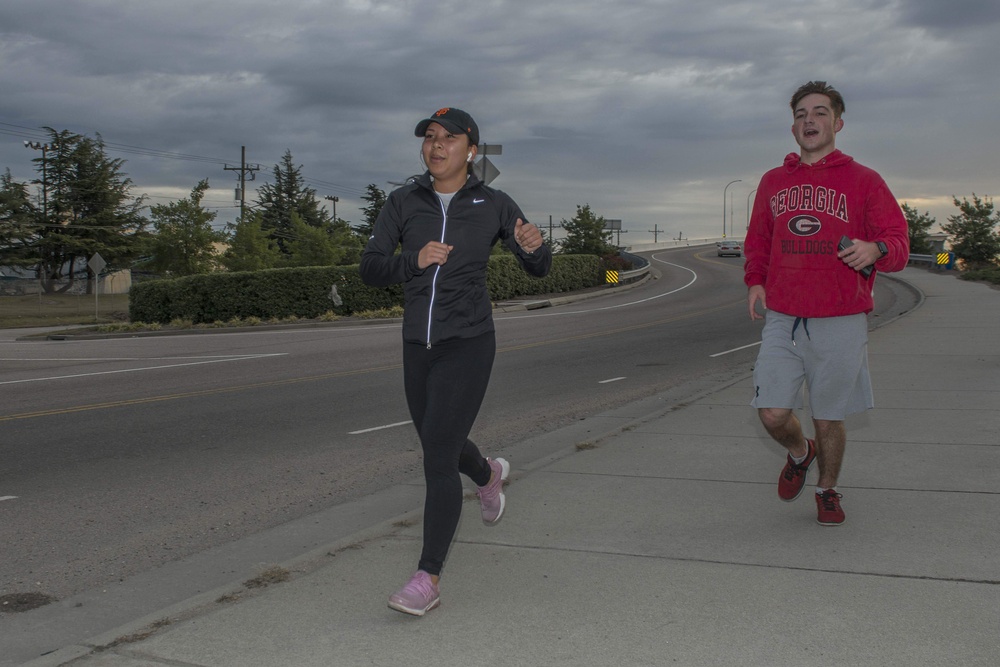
800	213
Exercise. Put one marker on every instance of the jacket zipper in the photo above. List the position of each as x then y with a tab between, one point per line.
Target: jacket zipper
437	269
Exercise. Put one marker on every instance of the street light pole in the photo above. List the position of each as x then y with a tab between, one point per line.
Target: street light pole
748	207
724	205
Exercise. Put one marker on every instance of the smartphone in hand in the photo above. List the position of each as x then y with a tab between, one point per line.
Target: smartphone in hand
846	242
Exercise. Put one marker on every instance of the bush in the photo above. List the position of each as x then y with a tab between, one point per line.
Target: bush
989	275
506	280
615	263
307	292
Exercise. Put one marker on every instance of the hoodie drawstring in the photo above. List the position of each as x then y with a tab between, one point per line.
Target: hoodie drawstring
805	327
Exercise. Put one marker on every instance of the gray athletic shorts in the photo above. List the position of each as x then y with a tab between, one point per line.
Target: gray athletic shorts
829	355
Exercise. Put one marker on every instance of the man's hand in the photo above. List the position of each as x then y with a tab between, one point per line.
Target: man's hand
527	236
860	255
755	294
433	253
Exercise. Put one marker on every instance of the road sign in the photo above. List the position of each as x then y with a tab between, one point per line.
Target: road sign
485	170
612	224
490	149
97	263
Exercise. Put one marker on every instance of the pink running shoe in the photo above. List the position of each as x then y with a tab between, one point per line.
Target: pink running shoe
491	498
417	597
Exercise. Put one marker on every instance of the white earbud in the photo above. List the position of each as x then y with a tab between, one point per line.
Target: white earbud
469	159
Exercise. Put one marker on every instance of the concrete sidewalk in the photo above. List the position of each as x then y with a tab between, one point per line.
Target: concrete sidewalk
663	541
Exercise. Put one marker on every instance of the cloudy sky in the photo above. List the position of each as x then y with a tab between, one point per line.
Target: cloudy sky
644	109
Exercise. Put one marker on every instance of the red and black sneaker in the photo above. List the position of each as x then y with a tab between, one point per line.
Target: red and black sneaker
793	476
829	512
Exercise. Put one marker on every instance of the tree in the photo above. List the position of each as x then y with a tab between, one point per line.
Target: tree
585	234
974	239
18	230
288	195
250	247
375	197
184	242
919	225
90	210
309	246
349	243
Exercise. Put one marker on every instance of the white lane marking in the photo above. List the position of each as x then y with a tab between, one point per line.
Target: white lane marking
245	357
610	380
379	428
3	498
210	356
735	349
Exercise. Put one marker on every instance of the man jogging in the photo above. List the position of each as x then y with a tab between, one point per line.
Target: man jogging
823	227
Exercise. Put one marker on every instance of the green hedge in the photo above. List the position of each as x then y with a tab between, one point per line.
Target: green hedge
306	292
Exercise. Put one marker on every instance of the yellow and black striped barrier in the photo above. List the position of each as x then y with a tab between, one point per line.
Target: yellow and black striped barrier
611	277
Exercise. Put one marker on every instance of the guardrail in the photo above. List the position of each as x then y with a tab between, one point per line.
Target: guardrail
943	261
640	267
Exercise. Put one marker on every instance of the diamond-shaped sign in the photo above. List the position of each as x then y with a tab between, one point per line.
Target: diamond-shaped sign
485	170
97	263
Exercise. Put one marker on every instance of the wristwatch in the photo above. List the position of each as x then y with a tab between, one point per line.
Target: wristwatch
881	248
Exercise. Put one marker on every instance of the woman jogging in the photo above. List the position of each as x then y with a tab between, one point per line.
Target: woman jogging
447	222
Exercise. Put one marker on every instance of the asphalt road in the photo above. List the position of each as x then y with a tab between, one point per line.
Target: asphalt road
122	454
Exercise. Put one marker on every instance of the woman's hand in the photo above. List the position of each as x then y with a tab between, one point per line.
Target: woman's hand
433	253
527	236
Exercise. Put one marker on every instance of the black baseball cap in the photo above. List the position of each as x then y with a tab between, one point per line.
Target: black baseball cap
454	120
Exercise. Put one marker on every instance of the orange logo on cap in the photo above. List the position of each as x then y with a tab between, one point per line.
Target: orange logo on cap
441	112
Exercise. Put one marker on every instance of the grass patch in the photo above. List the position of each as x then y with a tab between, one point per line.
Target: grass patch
145	633
69	310
328	316
272	575
43	310
126	327
380	313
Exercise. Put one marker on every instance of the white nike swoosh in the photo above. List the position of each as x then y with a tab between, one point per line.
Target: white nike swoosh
478	201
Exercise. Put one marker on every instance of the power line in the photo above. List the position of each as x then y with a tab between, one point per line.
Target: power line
22	132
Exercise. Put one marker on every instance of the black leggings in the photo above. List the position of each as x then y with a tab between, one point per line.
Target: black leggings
445	386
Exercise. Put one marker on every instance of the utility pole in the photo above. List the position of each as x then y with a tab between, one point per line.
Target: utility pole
38	146
244	169
334	200
655	231
552	242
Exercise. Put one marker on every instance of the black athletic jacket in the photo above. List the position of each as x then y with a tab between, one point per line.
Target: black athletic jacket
450	300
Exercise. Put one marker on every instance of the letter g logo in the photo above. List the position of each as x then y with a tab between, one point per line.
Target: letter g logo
804	225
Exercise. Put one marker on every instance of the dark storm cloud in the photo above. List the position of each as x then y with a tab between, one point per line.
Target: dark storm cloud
645	110
946	16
